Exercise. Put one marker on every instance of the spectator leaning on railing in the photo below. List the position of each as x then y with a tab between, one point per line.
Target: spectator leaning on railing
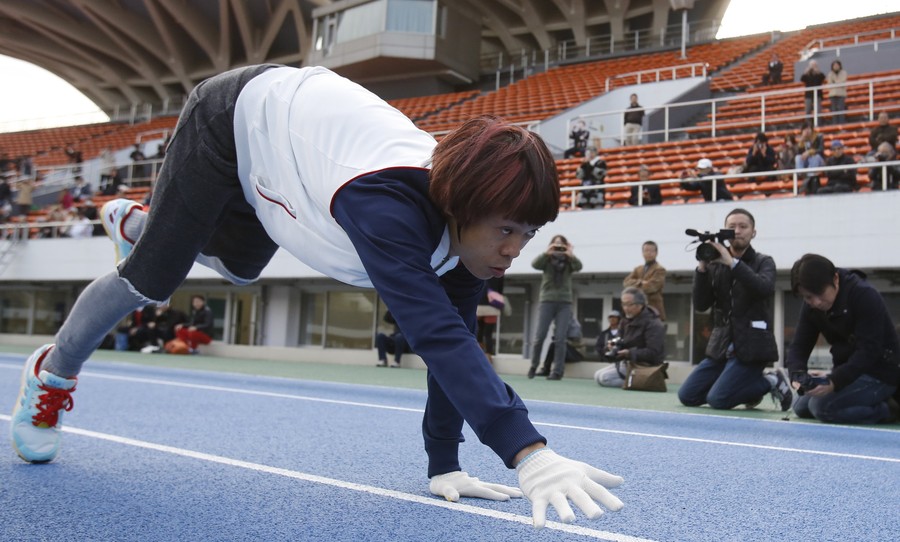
839	180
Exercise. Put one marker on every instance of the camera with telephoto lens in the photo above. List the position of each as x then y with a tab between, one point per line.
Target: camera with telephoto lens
705	251
808	381
613	347
559	248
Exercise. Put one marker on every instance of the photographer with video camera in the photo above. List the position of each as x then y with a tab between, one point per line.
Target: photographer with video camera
852	316
738	284
641	339
557	263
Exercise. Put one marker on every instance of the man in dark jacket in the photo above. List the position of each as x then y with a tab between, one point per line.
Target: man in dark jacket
839	180
739	286
843	307
643	339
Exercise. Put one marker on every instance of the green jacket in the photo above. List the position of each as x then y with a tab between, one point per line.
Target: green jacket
550	291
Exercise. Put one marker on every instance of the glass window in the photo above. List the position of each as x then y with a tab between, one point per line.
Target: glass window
312	319
360	21
50	309
410	16
350	318
15	308
509	327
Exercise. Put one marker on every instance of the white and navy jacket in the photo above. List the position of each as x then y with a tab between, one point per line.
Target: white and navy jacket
339	179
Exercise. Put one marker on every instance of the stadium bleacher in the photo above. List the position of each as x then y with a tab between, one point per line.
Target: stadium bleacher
734	66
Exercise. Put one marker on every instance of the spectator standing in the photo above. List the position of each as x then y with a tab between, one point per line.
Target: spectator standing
392	343
841	180
107	164
199	327
643	339
650	278
813	79
24	198
739	287
491	306
652	193
138	159
692	179
591	172
841	306
883	132
634	122
837	91
579	136
773	71
557	264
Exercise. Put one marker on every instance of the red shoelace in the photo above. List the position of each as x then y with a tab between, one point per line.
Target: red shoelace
50	404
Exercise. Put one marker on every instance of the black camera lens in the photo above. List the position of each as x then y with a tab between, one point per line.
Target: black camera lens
706	252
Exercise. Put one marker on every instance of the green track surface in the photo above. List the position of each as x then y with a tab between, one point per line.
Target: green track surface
572	390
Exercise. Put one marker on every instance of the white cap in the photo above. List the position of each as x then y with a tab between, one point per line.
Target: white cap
704	163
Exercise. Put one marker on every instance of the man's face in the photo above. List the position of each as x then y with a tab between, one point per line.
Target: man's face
613	322
634	99
823	301
487	247
649	252
744	231
883	118
629	306
837	151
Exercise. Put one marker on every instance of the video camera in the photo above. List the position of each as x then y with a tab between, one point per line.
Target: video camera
705	251
808	381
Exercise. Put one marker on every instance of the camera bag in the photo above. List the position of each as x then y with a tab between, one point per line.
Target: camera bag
644	378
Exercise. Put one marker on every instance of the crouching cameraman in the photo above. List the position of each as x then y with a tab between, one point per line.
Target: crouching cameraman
642	339
843	307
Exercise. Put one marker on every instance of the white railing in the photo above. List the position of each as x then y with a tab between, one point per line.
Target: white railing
842	41
696	69
798	177
761	121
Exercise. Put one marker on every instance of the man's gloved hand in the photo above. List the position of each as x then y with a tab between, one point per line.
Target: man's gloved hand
547	478
454	485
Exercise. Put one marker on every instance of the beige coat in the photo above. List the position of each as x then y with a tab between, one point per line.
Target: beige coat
651	283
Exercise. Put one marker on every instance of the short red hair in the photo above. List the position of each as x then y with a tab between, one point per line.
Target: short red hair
488	167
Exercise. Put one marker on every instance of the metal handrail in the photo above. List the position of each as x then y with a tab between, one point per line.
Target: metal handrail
758	122
795	174
703	66
811	47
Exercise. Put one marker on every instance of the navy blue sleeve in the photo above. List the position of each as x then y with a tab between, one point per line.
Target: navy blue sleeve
395	229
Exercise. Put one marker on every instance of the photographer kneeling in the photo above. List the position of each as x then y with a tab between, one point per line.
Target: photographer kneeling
852	316
642	339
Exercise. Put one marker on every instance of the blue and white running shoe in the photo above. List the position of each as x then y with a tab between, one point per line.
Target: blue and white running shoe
37	416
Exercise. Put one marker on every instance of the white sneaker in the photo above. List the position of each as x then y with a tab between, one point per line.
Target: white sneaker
37	416
113	215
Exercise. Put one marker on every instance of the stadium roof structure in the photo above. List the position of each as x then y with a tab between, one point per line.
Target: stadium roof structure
121	53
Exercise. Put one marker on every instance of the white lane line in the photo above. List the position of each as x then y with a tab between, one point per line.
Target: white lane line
723	443
362	488
543	424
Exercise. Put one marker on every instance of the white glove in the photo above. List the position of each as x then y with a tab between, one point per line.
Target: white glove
454	485
547	478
